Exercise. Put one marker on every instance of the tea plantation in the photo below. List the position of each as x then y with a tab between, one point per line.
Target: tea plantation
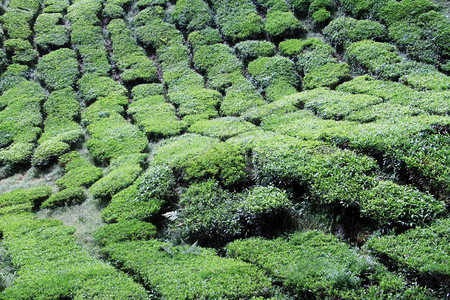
224	149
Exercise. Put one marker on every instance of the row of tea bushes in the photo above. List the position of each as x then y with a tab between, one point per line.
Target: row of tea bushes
415	26
238	20
393	140
50	33
61	130
188	272
422	253
130	59
20	122
18	18
23	200
51	264
87	37
312	264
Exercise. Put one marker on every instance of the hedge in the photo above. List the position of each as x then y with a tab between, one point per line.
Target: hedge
315	264
222	128
211	215
18	199
204	37
70	196
238	21
188	272
370	55
198	157
422	252
58	69
249	50
343	31
330	75
125	206
130	58
49	32
192	15
155	117
20	51
52	264
131	230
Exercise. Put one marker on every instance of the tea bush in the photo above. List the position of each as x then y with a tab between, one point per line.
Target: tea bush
249	50
282	24
239	97
20	51
49	32
124	231
58	69
204	37
421	252
341	32
330	75
52	264
198	157
188	272
125	206
14	74
222	128
56	6
70	196
23	198
370	55
192	15
238	21
338	270
78	171
210	213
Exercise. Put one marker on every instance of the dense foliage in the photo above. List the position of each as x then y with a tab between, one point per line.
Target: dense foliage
224	149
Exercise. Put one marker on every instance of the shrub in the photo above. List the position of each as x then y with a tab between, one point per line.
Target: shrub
58	69
14	74
330	104
268	70
70	196
147	90
33	197
81	176
216	59
16	23
282	24
383	111
422	252
279	90
314	264
158	34
49	34
131	230
113	11
239	97
18	153
192	15
85	12
370	55
389	204
202	157
48	151
148	15
130	58
204	37
238	21
359	8
53	264
315	55
156	182
249	50
393	11
189	272
115	181
201	102
341	32
209	213
93	87
20	51
125	206
56	6
330	75
222	128
321	16
157	120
